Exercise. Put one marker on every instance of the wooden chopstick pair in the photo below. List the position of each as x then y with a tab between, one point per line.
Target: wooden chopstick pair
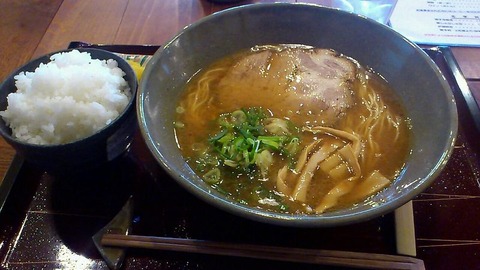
299	255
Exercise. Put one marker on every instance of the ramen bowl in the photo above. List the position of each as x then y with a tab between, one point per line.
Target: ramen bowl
415	78
90	151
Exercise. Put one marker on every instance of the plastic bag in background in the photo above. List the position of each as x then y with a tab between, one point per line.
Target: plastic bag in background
379	10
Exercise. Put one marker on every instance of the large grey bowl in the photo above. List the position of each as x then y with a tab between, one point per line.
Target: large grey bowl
414	76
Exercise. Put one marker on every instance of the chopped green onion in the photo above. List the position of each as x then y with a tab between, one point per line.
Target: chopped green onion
243	136
212	176
230	163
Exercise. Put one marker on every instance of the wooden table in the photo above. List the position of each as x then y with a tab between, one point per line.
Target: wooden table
29	29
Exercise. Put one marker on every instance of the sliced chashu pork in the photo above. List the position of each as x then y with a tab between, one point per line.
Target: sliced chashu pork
324	82
312	85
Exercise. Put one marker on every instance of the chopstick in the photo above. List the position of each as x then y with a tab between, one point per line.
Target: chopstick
299	255
405	230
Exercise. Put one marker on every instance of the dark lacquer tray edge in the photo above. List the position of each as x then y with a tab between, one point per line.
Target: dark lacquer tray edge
9	179
462	84
118	48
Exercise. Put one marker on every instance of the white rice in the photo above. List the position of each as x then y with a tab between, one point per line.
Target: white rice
67	99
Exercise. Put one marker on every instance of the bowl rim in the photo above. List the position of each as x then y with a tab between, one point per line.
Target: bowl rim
297	220
101	133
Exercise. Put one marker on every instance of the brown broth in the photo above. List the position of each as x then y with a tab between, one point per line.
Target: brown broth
266	88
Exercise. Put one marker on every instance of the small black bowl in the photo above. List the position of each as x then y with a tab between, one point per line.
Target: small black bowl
92	151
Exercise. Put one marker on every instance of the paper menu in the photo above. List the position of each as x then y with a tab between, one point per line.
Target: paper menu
438	22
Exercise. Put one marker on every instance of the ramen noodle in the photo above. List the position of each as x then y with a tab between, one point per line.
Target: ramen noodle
292	128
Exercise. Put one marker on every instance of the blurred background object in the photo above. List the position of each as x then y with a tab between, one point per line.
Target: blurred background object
378	10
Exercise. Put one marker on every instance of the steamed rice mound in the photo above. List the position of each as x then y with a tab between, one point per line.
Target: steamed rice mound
69	98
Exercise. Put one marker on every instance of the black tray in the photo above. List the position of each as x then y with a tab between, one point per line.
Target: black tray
48	222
